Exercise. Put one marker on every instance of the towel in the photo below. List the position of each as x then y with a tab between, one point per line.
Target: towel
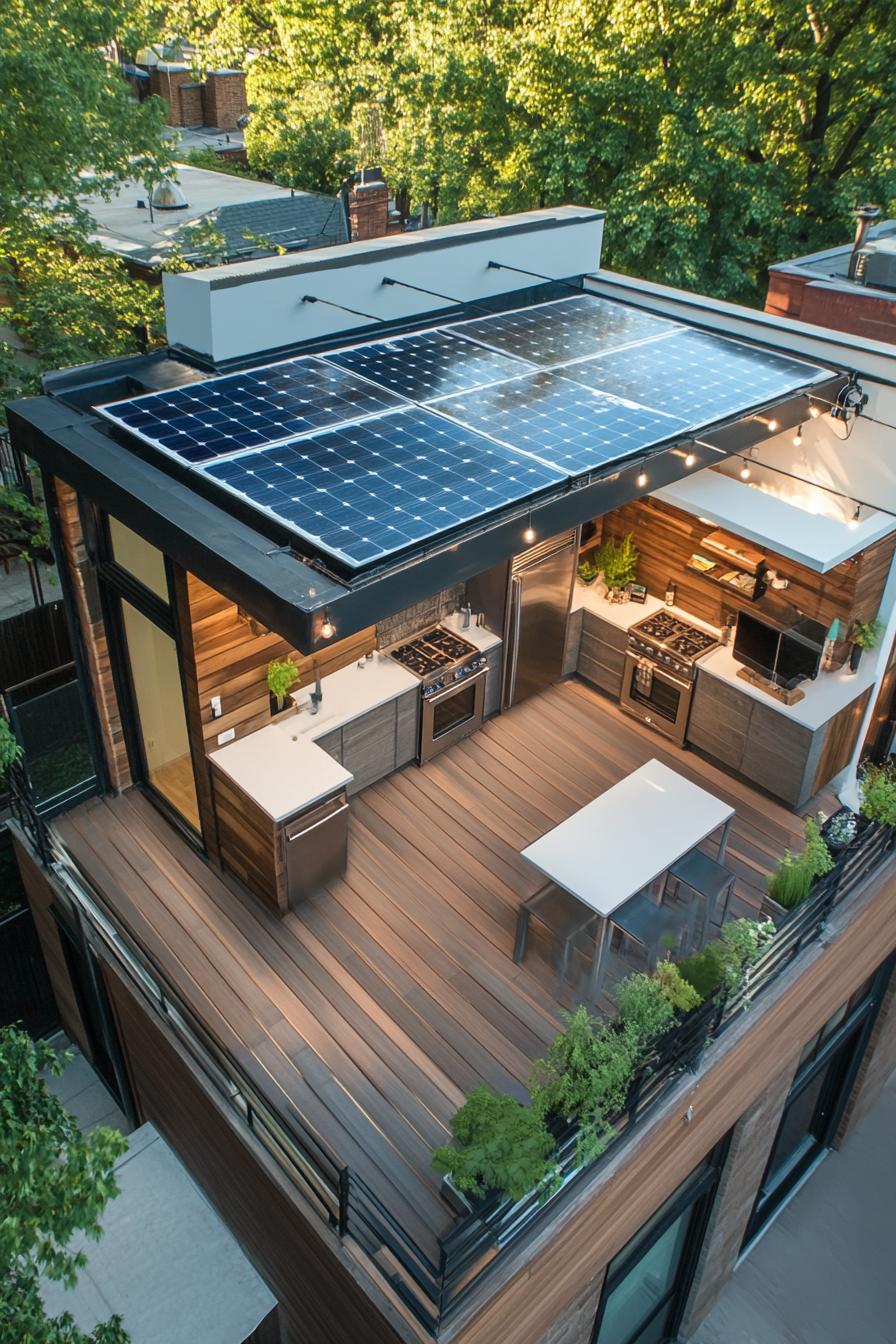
644	676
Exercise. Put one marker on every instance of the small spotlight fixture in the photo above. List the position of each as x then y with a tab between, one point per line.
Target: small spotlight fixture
798	437
855	519
745	471
690	459
529	533
641	479
328	629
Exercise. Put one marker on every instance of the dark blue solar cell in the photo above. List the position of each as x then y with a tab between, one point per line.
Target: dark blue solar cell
248	410
427	364
697	376
551	333
566	426
350	496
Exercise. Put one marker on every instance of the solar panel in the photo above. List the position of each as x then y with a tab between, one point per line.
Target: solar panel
566	426
428	364
552	333
206	420
364	491
695	375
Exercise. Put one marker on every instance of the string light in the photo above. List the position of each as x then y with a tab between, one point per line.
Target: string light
745	472
798	437
328	629
641	479
690	459
529	533
855	519
814	411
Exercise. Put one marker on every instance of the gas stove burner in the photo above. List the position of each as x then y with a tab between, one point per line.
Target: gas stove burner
660	626
434	651
667	638
691	643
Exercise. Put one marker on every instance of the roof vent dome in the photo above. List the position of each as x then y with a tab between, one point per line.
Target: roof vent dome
167	195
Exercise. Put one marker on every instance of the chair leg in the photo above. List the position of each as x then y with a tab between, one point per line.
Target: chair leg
522	930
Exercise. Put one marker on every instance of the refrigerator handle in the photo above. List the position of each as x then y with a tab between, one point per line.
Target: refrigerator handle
516	597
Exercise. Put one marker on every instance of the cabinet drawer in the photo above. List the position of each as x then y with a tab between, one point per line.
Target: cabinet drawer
599	674
599	651
726	702
604	630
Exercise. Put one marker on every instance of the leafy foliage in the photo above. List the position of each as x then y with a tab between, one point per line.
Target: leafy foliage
792	880
725	963
54	1182
282	676
867	634
645	1010
879	794
501	1145
618	560
587	1070
704	970
10	750
681	993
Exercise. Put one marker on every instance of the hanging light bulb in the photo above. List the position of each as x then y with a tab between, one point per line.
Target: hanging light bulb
798	437
641	479
745	471
772	425
690	459
529	532
854	520
814	411
328	629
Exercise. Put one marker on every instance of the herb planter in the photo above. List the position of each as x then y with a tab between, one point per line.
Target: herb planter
838	825
280	707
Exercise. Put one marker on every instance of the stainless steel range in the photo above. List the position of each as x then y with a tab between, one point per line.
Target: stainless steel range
452	672
659	672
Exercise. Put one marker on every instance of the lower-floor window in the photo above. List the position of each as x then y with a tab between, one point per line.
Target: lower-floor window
648	1282
817	1098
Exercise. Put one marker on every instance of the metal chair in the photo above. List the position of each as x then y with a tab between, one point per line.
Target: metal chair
647	923
563	916
708	878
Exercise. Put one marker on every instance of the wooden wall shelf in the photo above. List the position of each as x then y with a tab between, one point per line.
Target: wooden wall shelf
710	575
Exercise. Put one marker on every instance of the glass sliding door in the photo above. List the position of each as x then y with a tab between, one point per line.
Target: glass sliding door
160	714
648	1282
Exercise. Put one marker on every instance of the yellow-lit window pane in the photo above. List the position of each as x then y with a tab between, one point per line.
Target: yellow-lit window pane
145	562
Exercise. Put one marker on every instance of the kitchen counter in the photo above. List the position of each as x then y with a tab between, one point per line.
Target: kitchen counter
281	767
478	635
826	696
626	614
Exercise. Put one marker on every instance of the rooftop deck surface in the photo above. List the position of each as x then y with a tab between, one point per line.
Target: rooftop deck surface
371	1010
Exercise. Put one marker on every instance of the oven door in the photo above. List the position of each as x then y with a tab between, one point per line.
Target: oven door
451	714
664	705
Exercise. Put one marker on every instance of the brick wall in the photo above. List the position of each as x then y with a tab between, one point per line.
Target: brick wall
191	104
853	310
575	1325
422	614
224	98
748	1154
166	81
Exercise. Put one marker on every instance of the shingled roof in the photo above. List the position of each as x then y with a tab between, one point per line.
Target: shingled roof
251	228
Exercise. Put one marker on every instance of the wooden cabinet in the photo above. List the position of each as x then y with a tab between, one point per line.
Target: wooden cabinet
765	745
368	745
331	743
495	658
602	654
407	726
573	640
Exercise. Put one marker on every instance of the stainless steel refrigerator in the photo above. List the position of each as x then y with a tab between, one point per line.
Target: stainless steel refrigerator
538	597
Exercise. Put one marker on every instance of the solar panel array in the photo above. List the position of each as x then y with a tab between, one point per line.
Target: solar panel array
691	374
220	416
342	449
567	426
428	365
364	491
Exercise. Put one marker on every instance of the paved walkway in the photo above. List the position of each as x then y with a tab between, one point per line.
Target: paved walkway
823	1272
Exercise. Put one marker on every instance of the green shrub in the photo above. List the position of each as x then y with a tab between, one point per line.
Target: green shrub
501	1145
867	634
792	880
588	1069
10	751
680	992
742	940
644	1008
618	560
704	970
879	794
282	676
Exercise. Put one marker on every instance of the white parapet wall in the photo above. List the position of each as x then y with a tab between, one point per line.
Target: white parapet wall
227	313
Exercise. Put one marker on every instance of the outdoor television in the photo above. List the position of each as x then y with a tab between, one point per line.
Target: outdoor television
785	656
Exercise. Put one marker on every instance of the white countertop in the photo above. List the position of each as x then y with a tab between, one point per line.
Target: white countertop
626	614
597	855
281	767
825	696
478	635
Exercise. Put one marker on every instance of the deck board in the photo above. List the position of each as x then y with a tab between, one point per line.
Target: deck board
369	1012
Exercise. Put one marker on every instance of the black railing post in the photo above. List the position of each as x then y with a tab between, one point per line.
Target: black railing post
344	1187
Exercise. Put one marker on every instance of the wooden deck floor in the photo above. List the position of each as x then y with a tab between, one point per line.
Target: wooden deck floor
372	1010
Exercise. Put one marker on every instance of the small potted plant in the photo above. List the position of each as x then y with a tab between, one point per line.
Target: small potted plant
865	635
501	1147
791	882
619	562
588	571
839	830
878	786
282	676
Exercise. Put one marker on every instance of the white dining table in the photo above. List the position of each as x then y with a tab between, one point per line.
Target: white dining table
624	841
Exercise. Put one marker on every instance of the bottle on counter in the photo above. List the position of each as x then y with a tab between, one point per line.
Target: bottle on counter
728	629
670	593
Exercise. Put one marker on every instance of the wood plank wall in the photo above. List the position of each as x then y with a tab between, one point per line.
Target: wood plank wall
666	538
96	648
231	661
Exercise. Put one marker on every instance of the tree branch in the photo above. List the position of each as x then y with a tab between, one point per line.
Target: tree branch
843	161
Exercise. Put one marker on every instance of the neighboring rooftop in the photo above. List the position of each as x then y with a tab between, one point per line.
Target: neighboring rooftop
246	212
828	289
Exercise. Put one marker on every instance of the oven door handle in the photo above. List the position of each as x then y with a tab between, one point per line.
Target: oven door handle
660	672
455	687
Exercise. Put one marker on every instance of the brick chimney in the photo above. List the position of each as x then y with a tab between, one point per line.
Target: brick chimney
224	98
167	81
368	207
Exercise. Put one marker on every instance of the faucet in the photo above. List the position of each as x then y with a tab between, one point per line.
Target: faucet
317	694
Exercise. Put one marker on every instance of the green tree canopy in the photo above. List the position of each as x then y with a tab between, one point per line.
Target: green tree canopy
54	1182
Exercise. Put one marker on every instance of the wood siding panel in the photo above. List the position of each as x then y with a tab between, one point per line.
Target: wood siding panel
250	843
